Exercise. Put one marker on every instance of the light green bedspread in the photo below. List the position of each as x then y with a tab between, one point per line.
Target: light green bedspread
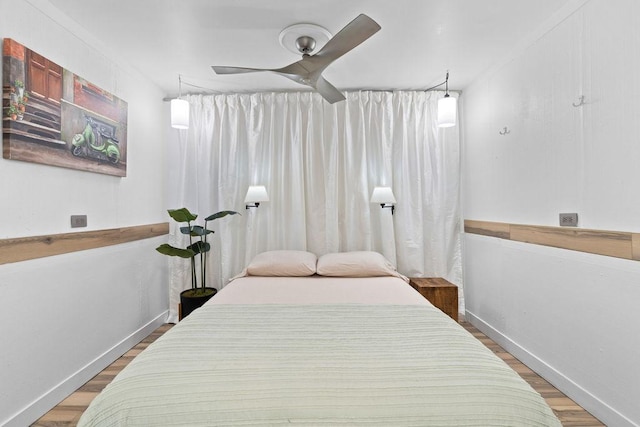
335	365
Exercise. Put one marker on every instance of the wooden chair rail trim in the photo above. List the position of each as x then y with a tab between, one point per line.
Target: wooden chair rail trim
26	248
618	244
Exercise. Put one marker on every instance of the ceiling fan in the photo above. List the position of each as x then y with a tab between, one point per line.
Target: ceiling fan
308	70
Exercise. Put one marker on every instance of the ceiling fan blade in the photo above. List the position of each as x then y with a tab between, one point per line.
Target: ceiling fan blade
236	70
354	33
295	69
328	91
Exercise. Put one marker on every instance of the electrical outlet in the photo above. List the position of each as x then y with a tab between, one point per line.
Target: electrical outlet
568	220
78	221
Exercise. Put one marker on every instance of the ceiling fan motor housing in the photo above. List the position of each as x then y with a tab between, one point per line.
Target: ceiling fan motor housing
305	44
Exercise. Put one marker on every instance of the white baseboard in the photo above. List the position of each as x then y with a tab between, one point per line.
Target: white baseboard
584	398
58	393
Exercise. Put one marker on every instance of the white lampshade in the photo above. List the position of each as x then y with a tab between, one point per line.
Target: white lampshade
256	194
179	114
447	112
382	195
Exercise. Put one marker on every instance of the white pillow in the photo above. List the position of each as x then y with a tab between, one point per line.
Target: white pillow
283	263
356	264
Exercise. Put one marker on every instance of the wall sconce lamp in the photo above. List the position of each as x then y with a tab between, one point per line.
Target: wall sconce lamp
255	195
179	110
384	196
447	106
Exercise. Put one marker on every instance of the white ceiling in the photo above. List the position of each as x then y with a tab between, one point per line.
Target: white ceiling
419	41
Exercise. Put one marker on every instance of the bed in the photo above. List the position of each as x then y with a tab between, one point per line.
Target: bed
318	350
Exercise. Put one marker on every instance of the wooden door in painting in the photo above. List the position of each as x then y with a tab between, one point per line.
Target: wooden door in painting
44	78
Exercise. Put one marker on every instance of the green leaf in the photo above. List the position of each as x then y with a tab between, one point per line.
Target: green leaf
197	230
199	247
185	230
182	215
167	249
220	214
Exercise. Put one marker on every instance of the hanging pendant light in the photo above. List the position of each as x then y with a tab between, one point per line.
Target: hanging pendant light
179	110
447	108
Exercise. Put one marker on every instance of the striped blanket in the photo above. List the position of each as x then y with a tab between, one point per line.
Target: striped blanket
328	365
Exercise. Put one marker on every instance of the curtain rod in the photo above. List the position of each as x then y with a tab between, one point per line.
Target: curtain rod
214	92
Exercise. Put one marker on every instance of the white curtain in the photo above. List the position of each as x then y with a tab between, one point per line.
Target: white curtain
319	163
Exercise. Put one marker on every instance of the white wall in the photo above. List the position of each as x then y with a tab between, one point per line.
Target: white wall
568	314
64	318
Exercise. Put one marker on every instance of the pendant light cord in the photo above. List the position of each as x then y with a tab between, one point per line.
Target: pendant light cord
445	82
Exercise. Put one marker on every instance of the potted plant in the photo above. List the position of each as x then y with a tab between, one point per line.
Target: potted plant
18	99
19	85
193	298
12	112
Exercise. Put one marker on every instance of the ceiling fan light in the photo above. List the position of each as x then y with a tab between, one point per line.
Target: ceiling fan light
179	114
447	111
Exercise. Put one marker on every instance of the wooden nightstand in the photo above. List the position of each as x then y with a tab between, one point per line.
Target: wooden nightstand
439	292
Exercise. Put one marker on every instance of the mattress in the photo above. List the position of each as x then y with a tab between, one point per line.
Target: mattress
318	351
318	290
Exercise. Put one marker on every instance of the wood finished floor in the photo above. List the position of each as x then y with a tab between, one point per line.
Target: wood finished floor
68	412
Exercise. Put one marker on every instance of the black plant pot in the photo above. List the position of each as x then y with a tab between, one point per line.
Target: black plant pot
190	302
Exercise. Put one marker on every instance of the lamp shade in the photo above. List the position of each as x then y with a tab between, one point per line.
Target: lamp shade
179	114
382	195
256	194
447	112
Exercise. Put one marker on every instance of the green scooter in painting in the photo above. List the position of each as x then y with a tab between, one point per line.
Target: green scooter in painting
96	141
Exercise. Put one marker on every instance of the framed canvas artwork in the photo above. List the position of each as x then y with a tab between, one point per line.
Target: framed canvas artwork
54	117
